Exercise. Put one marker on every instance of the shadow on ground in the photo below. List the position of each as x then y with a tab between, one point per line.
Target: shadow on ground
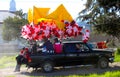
76	70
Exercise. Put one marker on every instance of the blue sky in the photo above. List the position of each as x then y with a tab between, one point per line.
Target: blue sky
72	6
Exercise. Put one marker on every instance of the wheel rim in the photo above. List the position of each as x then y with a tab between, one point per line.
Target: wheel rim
103	64
47	67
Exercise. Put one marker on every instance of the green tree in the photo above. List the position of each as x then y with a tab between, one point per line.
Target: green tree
104	15
12	26
20	13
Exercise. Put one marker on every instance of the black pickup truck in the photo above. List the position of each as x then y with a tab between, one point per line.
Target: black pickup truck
72	56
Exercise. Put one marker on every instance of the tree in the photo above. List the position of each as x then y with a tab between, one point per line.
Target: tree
104	15
12	26
20	13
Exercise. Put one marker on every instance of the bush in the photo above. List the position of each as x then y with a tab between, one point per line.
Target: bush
118	51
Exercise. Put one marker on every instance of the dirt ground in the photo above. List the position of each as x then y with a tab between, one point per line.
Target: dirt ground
76	70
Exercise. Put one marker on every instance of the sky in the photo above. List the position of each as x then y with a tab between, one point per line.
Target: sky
72	6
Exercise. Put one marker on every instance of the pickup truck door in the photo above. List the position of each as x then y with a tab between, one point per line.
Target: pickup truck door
71	58
86	56
59	59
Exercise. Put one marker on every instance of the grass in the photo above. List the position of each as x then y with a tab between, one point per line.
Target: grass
117	55
117	58
7	61
107	74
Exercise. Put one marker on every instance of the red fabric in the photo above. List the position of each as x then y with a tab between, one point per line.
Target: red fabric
57	47
101	45
25	53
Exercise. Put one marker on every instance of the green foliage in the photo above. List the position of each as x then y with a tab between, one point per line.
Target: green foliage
111	74
118	51
107	4
20	13
108	25
117	55
12	27
104	15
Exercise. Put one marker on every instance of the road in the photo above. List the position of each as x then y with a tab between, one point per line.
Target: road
76	70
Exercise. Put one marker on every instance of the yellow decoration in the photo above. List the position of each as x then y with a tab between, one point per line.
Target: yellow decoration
39	13
60	14
41	19
30	15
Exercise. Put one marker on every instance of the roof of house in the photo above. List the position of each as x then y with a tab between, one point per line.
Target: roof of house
5	14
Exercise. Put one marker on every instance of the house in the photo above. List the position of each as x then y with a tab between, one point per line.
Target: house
4	46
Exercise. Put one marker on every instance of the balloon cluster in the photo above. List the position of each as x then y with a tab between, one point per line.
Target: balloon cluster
39	31
72	29
49	29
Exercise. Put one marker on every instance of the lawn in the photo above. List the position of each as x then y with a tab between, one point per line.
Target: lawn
106	74
7	61
117	58
117	55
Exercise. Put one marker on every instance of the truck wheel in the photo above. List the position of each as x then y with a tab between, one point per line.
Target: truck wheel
103	63
47	66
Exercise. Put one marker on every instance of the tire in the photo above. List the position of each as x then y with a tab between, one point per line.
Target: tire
103	63
47	66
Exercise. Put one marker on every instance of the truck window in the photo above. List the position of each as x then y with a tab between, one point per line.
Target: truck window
85	48
81	47
69	47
